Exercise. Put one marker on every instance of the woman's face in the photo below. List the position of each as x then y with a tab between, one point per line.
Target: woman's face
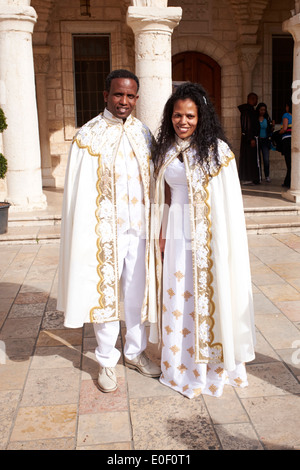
185	118
262	111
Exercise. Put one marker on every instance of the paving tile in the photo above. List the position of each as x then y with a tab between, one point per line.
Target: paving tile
108	446
280	292
9	401
19	349
291	309
45	422
276	420
172	423
27	310
44	444
92	400
263	275
55	357
278	330
263	351
51	387
238	437
269	379
21	328
291	358
227	408
67	337
102	428
13	374
32	297
140	386
263	305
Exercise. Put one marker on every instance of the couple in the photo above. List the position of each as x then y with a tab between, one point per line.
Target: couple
198	301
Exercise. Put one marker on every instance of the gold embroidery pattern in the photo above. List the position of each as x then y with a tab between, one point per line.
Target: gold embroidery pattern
206	350
95	140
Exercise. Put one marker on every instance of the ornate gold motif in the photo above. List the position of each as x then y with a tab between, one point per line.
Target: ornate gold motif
171	292
185	332
94	138
179	275
182	368
174	349
198	177
177	314
168	329
187	295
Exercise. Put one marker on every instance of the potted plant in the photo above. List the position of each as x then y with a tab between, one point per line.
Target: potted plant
4	206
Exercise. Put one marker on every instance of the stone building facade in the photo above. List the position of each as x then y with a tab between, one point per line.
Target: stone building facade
45	46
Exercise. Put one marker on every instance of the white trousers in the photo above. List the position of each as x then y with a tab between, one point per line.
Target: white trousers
131	260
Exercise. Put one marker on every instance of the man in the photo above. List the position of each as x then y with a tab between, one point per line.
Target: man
249	165
105	230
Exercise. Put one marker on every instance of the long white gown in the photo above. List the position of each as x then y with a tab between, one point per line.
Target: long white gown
179	370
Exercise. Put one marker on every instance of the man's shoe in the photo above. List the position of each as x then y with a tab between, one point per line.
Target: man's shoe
107	380
143	364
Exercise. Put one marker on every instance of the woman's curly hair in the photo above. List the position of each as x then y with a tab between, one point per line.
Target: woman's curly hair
208	130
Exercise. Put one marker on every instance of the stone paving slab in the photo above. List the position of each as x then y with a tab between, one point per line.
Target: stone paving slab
49	399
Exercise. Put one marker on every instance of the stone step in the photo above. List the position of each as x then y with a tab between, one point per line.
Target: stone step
31	229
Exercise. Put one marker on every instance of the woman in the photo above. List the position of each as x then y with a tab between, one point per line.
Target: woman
207	310
286	137
264	140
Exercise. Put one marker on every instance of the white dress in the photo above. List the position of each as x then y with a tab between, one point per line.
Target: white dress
179	370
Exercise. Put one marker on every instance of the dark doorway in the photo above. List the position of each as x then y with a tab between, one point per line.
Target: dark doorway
282	74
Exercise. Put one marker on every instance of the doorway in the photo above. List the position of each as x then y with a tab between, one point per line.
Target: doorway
199	68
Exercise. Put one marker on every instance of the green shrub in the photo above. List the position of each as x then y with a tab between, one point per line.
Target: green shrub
3	124
3	166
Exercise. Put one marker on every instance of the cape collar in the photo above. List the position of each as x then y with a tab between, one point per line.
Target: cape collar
111	119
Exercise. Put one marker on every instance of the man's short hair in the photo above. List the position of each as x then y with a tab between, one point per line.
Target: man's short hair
120	73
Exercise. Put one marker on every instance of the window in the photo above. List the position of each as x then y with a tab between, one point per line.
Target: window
91	65
282	76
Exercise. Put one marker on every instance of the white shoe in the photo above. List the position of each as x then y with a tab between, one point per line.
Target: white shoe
143	364
107	379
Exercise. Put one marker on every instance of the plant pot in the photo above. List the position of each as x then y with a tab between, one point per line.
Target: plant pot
4	206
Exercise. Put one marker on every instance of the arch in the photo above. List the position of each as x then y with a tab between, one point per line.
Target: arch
199	68
231	80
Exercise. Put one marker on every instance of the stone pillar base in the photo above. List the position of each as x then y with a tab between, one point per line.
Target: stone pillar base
291	195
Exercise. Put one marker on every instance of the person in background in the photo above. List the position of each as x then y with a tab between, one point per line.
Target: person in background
286	137
249	167
264	139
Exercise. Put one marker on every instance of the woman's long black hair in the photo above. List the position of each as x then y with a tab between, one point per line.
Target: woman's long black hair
208	130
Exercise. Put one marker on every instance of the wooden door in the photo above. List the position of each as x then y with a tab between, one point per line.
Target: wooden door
199	68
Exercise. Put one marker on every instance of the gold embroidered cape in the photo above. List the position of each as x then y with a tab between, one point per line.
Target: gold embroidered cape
224	315
88	288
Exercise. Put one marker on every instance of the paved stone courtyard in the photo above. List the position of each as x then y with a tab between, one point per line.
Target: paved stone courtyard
48	393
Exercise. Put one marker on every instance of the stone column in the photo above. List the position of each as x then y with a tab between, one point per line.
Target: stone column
18	100
293	26
41	66
153	28
248	54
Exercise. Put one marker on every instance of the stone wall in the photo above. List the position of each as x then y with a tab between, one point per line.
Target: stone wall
209	27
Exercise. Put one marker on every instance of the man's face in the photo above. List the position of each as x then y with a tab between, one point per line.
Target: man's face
122	97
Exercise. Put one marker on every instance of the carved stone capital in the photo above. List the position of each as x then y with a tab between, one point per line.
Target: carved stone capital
248	56
41	59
